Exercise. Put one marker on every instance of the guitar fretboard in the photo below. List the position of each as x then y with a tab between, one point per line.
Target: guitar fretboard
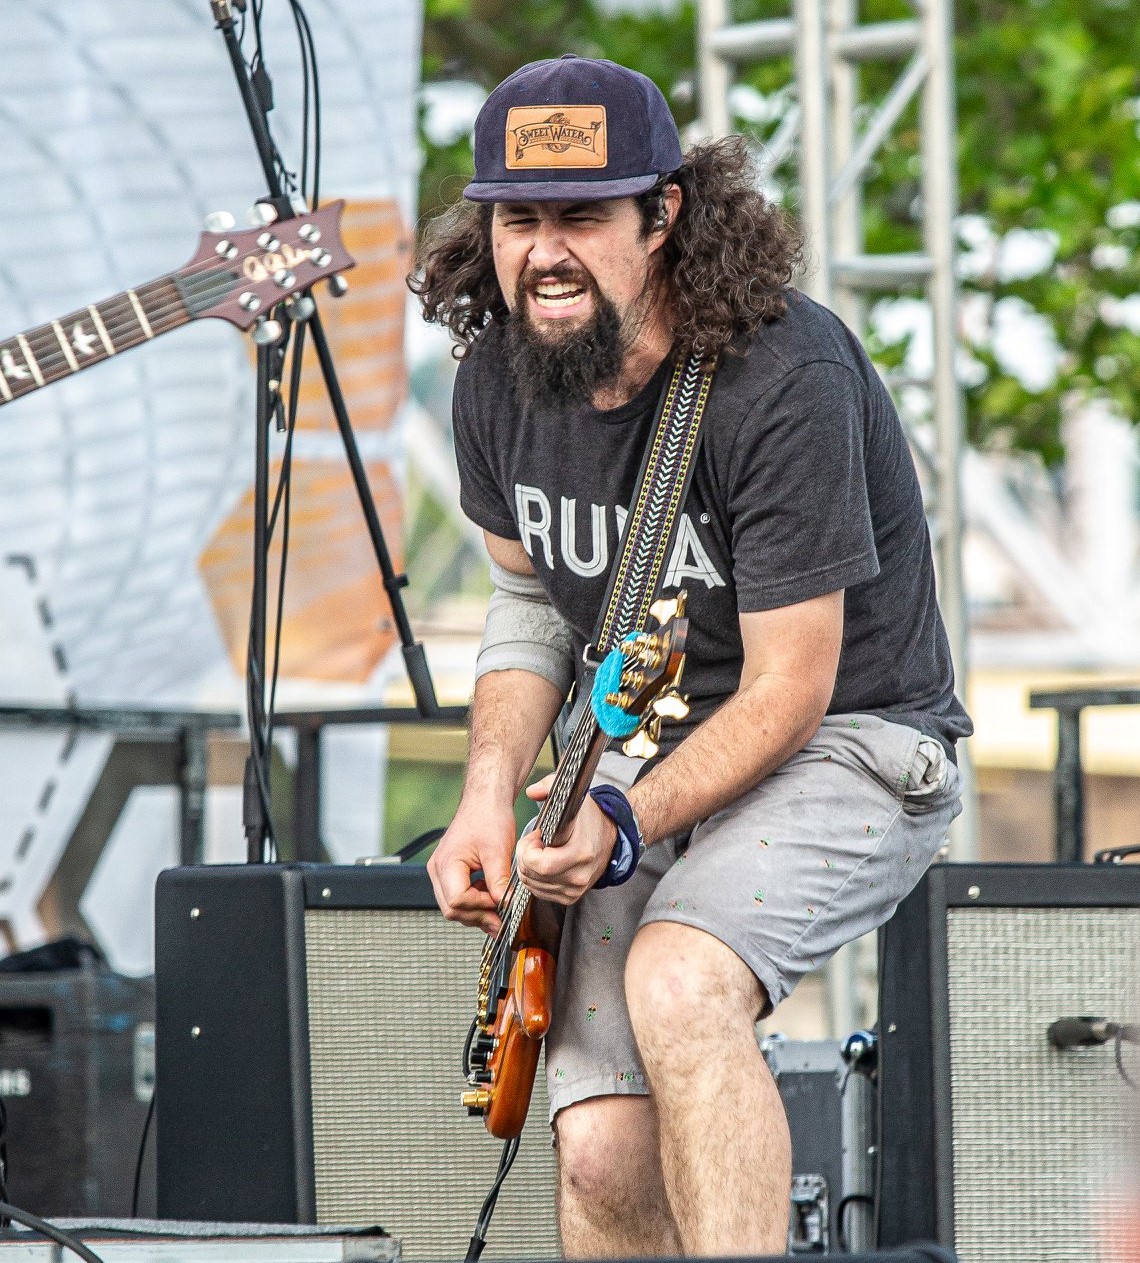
48	353
566	793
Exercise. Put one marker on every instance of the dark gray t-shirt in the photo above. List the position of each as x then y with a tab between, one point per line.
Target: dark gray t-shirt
804	485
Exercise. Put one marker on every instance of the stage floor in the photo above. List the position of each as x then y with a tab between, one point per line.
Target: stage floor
171	1241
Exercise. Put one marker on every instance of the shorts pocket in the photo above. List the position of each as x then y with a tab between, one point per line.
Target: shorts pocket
931	779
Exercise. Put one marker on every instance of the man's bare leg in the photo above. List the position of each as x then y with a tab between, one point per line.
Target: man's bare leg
725	1147
611	1196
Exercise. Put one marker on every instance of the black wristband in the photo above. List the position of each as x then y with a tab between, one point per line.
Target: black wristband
629	846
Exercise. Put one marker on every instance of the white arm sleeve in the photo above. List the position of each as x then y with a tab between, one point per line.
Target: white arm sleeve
525	632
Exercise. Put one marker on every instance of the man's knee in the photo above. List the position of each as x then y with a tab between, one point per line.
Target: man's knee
683	986
603	1146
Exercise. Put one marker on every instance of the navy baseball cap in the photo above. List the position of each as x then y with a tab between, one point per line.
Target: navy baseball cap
572	129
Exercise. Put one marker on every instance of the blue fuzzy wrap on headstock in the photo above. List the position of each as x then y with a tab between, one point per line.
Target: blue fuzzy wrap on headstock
636	685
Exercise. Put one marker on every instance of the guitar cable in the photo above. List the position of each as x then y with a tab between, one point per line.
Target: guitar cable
478	1242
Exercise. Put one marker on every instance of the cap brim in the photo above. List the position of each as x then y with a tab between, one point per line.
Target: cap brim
558	190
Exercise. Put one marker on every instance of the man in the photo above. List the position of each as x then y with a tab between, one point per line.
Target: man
814	780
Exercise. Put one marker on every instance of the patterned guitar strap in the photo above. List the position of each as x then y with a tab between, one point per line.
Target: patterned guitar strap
650	528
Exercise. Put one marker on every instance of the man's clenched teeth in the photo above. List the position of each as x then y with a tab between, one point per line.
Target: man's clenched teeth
557	293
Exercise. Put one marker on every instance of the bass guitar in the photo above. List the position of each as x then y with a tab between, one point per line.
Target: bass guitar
235	276
516	976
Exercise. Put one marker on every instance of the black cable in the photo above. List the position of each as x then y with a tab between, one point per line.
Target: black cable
840	1213
49	1230
257	752
263	87
142	1153
478	1242
1118	1044
467	1043
302	17
283	501
306	71
3	1158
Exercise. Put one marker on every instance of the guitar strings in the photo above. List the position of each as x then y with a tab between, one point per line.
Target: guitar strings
497	947
171	313
124	332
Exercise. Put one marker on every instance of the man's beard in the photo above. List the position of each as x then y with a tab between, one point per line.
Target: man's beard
569	362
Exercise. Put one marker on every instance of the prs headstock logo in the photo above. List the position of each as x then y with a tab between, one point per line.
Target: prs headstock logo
284	259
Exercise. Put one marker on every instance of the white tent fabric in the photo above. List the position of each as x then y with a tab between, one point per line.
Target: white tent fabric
121	128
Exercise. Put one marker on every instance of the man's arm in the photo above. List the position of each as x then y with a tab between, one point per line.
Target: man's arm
511	714
791	656
790	659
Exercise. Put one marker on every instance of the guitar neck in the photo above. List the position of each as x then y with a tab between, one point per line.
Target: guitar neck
572	779
48	353
569	788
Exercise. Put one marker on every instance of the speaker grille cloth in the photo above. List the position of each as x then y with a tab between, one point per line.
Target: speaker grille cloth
1038	1135
391	994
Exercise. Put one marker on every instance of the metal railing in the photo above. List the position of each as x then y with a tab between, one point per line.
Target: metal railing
1068	773
188	731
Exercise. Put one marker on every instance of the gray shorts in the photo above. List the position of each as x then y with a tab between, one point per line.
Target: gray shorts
819	853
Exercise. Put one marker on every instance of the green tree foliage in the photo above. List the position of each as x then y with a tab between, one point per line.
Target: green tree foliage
1048	99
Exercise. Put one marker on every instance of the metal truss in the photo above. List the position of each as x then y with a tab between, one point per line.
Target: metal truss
838	140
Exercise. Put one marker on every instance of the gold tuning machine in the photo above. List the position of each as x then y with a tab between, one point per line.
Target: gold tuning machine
645	742
667	607
476	1099
670	705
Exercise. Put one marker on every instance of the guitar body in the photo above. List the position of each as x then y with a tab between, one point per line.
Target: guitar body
522	1020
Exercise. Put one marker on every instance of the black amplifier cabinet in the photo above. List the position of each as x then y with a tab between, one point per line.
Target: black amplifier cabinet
831	1110
311	1020
76	1074
992	1139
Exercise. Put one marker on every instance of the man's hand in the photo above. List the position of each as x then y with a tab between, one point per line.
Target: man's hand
563	874
482	836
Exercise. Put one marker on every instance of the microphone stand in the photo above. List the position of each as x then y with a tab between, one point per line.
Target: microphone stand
268	336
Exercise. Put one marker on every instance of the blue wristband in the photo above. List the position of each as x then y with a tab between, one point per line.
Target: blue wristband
629	846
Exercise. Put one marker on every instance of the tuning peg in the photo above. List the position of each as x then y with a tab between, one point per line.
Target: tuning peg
266	332
338	286
219	221
670	705
667	607
300	307
641	745
261	215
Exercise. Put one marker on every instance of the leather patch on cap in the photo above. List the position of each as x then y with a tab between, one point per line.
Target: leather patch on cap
564	136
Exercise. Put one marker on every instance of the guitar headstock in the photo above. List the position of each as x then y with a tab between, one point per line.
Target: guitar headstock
240	275
651	675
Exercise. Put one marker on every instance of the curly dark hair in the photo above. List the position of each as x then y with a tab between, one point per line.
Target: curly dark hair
724	270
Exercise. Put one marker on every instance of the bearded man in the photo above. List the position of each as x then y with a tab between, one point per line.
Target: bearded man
814	780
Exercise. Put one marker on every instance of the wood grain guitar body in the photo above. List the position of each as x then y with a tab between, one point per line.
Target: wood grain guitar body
522	1021
505	1052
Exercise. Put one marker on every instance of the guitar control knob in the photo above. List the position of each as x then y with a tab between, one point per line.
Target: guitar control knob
219	221
477	1100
